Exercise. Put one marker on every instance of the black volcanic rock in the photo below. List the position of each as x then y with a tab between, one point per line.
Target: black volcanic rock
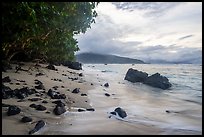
76	90
58	110
6	92
6	79
13	110
134	75
59	103
106	85
26	119
21	95
52	67
55	87
62	96
40	86
38	82
33	106
155	80
37	127
113	113
83	94
90	109
73	65
107	94
159	81
105	59
40	107
121	112
23	92
81	110
55	95
51	93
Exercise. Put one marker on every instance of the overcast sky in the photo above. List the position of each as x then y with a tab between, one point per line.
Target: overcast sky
170	31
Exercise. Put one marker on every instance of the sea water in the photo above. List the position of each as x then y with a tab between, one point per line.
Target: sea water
145	106
186	79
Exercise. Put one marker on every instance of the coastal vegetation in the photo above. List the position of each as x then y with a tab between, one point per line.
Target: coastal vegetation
44	30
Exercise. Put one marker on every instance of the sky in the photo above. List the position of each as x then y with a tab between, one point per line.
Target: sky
150	31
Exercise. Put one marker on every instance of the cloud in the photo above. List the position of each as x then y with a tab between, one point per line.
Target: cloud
171	53
188	36
151	8
145	30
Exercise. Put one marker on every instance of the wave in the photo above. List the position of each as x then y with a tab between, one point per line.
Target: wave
168	128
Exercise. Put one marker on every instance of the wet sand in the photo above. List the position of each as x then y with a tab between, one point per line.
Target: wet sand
145	108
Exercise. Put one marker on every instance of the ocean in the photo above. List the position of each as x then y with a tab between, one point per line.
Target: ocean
145	106
186	79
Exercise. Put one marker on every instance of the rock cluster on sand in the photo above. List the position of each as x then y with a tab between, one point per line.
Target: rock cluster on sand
72	65
27	96
22	93
55	95
155	80
69	64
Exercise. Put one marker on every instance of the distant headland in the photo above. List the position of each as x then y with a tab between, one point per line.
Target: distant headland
96	58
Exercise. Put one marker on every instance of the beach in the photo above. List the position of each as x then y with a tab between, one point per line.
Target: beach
146	109
65	86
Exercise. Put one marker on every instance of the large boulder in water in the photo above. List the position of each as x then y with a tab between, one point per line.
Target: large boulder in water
135	76
73	65
159	81
155	80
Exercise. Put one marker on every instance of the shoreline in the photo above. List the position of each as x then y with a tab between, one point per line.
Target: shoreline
146	113
146	109
98	122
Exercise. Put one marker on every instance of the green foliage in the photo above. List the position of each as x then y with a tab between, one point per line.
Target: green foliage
45	29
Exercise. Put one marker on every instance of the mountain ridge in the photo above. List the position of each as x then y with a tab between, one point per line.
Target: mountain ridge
96	58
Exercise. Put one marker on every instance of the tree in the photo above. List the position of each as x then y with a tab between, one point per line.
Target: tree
44	29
